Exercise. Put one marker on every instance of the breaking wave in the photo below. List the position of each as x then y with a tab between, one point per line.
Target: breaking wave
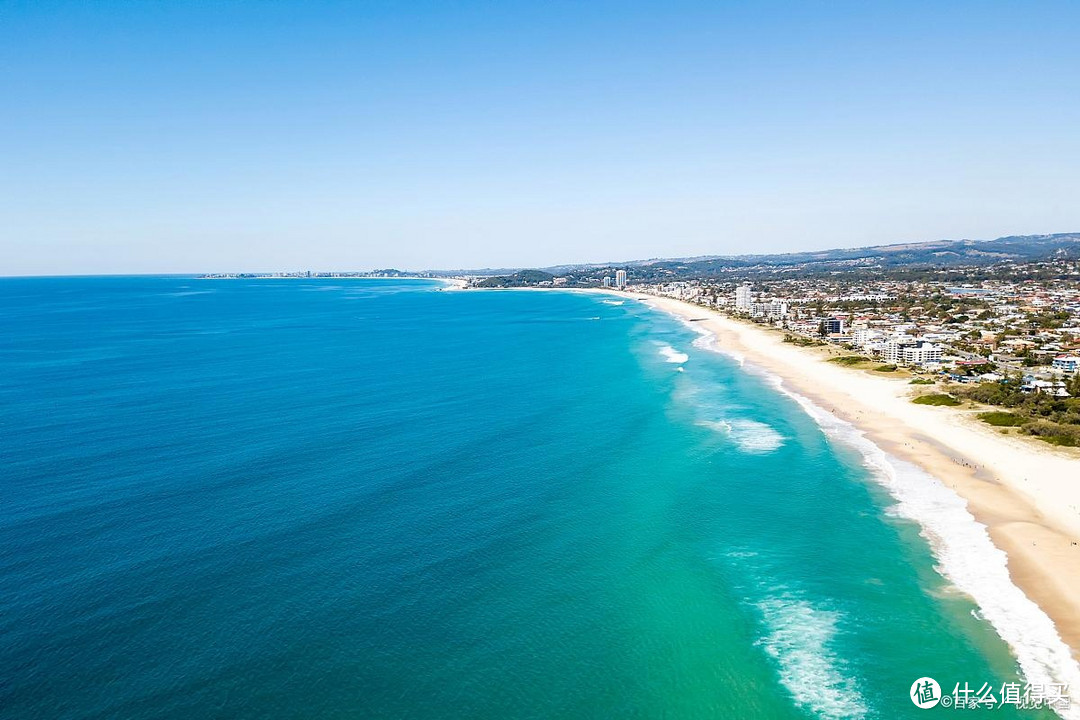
961	545
673	356
799	638
750	435
965	555
705	340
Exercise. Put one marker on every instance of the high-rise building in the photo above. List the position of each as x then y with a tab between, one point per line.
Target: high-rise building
744	295
607	281
620	278
833	326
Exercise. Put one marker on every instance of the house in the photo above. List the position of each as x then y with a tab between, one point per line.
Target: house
1068	364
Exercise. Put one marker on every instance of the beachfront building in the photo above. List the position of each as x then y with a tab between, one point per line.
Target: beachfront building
608	282
1055	388
861	337
744	297
922	353
893	351
620	279
777	309
832	326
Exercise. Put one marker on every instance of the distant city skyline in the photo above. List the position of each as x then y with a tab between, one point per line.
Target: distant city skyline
196	137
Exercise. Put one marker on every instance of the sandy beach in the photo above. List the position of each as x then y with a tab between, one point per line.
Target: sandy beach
1027	495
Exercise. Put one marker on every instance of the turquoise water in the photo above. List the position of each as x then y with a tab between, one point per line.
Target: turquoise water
370	499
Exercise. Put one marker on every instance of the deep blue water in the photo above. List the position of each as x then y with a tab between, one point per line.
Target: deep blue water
373	499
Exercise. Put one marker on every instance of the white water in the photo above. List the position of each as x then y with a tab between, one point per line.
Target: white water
799	639
965	555
673	356
750	436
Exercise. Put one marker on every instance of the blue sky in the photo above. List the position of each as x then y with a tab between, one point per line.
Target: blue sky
216	136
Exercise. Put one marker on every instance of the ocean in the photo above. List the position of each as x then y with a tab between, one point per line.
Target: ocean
376	498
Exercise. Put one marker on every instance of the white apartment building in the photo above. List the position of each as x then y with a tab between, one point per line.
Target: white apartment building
777	309
894	348
620	278
924	353
861	337
744	297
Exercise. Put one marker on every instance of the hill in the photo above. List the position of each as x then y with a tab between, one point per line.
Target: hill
522	278
934	254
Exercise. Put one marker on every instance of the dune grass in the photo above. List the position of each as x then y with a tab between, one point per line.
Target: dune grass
848	360
1002	419
937	399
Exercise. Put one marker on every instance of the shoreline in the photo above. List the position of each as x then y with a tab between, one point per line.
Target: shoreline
1022	511
1022	494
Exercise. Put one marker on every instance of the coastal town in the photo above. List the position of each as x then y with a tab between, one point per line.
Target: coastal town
1001	338
978	330
971	324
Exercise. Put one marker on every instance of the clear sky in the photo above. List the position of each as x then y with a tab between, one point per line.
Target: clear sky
217	136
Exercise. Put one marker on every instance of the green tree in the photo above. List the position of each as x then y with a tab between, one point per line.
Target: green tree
1072	385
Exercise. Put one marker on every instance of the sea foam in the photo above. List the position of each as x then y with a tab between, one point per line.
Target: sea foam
673	356
961	545
707	341
799	638
751	436
965	555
